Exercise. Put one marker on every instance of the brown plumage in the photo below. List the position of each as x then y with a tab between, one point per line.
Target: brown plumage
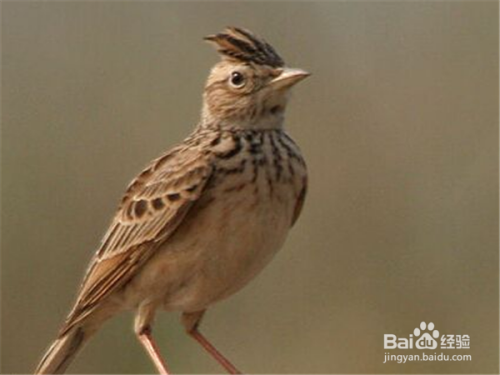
203	219
241	45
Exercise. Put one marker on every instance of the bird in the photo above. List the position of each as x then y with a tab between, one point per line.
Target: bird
203	219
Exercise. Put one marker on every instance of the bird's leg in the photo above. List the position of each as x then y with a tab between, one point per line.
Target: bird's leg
143	331
230	368
191	322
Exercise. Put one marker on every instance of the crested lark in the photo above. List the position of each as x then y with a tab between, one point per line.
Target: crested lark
203	219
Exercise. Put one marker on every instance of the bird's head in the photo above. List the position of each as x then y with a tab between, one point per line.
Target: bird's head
249	87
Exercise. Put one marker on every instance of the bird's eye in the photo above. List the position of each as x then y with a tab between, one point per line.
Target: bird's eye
237	79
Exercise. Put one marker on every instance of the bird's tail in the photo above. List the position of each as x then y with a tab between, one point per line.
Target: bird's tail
62	351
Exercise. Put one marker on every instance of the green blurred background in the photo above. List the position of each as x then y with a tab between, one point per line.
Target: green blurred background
399	125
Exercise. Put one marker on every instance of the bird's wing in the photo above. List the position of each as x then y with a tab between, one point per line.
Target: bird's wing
153	207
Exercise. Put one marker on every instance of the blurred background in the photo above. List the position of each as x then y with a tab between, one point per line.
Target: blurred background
399	126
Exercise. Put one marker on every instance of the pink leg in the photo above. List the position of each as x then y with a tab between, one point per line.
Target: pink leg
191	322
230	368
146	339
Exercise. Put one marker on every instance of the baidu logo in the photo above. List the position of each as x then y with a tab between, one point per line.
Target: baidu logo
422	338
428	339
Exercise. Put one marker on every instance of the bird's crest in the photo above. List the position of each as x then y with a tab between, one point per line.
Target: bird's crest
242	45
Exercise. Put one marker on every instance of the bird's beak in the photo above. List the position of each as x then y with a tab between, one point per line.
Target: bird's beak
288	77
